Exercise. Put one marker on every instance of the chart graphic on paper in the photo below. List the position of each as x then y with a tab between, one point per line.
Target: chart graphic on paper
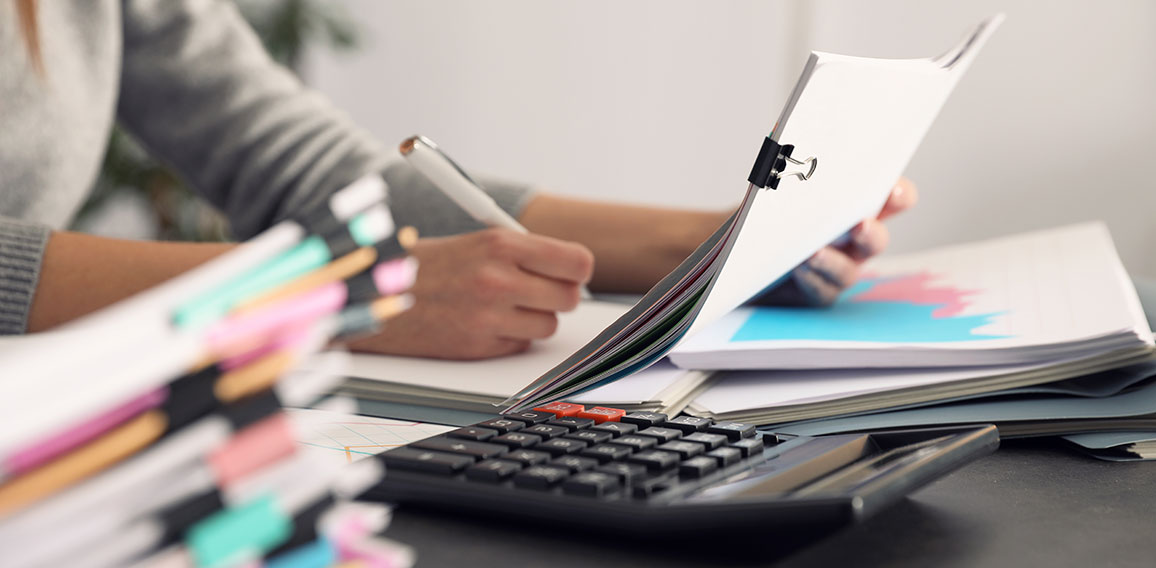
352	437
917	307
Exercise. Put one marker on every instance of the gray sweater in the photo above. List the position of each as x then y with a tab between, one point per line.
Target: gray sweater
191	81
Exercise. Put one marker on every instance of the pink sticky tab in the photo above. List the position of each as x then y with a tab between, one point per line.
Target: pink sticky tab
45	449
376	553
395	276
254	447
295	311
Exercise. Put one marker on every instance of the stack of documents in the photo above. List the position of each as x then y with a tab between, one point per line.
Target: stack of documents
152	433
958	322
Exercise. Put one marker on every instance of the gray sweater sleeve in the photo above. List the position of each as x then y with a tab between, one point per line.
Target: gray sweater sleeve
201	93
21	248
415	201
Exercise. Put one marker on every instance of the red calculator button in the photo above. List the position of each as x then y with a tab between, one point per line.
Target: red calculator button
562	409
600	414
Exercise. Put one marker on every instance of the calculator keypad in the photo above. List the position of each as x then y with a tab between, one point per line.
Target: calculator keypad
598	452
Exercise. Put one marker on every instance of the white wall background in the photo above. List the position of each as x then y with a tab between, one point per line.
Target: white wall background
667	101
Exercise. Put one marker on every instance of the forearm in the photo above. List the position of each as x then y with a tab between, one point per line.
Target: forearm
633	246
83	273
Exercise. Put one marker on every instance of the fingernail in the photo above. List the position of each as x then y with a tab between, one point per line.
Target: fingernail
897	191
861	230
815	258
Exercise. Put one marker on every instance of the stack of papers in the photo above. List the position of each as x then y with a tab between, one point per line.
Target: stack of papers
152	433
943	324
1124	400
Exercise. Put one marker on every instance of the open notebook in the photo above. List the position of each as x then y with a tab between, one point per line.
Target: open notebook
851	123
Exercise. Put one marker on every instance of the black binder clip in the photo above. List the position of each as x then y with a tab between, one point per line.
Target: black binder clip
772	161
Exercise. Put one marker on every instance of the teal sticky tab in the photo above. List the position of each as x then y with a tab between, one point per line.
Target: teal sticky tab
248	531
309	255
362	230
317	554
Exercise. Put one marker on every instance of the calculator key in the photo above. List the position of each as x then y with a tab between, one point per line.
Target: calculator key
591	484
546	431
626	472
590	436
734	431
748	446
502	425
561	446
615	429
655	461
572	423
685	450
636	443
527	457
426	461
726	456
661	434
770	439
529	416
561	409
479	450
517	440
648	486
711	441
606	452
540	476
644	419
493	471
575	463
473	433
694	468
602	414
689	424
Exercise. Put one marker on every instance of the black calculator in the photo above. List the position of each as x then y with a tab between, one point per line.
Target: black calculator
648	473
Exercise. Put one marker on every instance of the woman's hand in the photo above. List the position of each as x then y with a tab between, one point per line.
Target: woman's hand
485	294
822	278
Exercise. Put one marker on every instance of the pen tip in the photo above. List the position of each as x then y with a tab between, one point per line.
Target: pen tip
407	145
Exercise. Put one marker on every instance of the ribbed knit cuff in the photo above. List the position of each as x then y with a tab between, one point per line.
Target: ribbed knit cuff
21	252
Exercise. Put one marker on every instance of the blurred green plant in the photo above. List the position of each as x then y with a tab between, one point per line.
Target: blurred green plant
288	28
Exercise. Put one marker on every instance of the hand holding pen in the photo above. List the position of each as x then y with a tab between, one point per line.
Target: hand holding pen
468	194
482	294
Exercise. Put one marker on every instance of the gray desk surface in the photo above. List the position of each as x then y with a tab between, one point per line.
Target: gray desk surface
1029	504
